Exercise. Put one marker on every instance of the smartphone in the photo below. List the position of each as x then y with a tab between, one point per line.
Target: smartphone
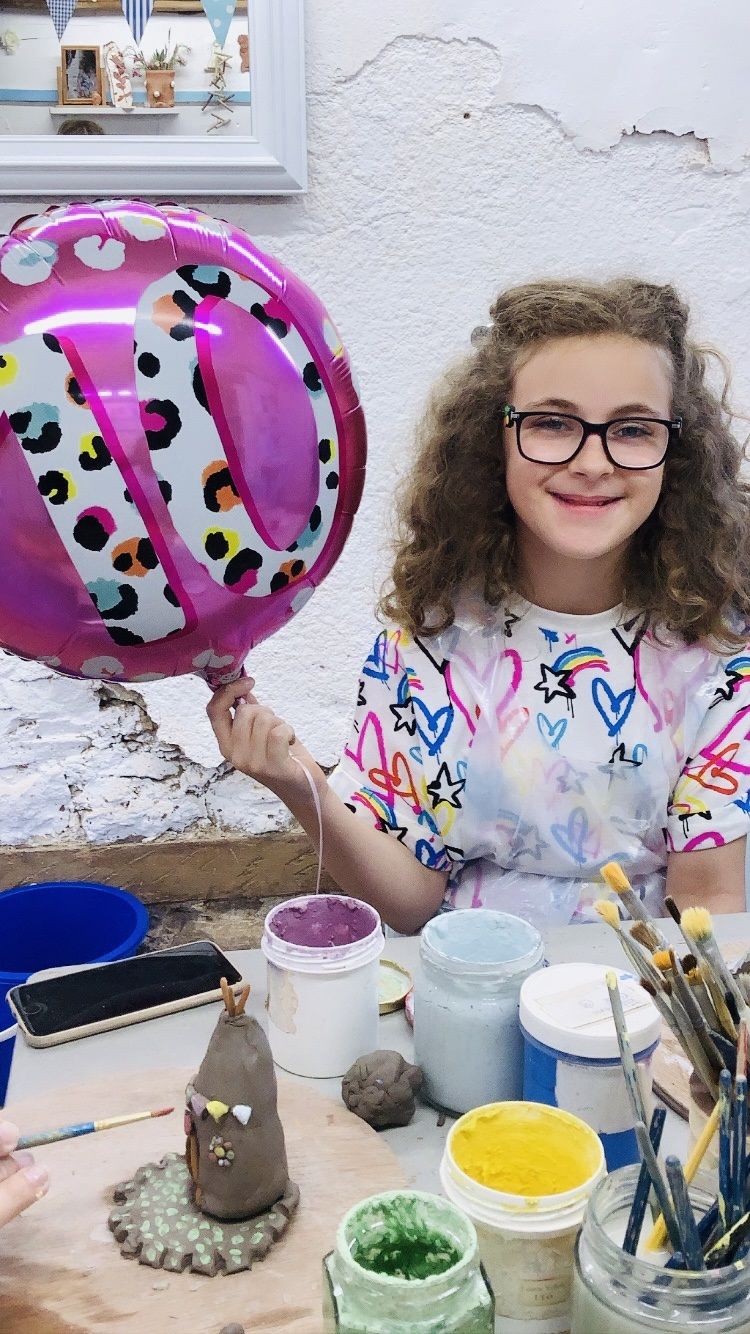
112	995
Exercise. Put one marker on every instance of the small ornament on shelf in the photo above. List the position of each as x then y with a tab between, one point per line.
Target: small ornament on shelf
219	101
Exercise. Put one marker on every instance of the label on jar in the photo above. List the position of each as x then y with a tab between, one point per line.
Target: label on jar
588	1004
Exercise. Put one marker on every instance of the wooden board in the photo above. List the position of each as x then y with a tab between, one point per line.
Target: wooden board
61	1271
671	1071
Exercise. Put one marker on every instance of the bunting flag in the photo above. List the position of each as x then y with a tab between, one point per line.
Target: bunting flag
60	12
137	14
219	14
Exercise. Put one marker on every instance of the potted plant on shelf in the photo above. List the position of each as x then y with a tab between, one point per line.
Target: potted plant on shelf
158	70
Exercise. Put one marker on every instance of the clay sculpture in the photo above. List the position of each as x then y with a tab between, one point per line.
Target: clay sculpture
224	1204
380	1089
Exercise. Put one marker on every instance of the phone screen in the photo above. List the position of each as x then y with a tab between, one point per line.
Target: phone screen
116	989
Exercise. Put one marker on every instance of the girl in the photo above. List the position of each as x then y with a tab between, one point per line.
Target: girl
562	680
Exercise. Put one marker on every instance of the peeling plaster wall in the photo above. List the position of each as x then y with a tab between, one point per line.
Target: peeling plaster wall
453	149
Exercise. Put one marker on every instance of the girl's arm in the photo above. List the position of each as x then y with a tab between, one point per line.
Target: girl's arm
361	859
712	878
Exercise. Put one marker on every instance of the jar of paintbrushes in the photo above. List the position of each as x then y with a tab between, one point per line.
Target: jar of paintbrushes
691	1268
618	1293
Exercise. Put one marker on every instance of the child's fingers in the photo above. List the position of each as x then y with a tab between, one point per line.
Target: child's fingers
21	1190
223	699
280	738
10	1165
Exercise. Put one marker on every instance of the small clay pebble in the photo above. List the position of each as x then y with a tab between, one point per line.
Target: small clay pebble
232	1329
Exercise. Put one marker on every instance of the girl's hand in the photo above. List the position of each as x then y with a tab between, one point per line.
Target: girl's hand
258	743
21	1183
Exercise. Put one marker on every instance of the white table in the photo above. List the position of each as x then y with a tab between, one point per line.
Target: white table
181	1039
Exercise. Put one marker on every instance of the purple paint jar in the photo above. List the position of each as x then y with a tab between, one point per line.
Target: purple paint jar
322	952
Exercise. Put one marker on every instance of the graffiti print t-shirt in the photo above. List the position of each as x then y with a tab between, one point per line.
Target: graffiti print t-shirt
522	750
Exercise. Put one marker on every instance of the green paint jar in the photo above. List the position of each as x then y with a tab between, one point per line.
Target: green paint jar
406	1263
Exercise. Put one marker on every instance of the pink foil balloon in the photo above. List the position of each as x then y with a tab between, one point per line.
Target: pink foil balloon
182	448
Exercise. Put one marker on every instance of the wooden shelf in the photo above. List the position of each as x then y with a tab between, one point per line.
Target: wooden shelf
76	109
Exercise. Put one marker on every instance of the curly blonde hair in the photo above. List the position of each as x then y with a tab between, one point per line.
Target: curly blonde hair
689	570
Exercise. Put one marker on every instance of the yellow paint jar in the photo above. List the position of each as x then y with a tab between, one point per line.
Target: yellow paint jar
523	1172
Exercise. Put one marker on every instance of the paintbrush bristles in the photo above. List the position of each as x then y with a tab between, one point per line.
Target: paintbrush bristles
662	960
615	877
608	912
642	932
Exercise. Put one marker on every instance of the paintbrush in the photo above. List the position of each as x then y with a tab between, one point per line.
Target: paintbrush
721	1253
676	916
724	1200
682	1031
626	1054
86	1128
643	1188
691	1044
741	1068
659	1185
614	876
683	1026
694	978
698	926
726	1022
739	1147
640	961
695	1014
644	935
658	1235
690	1245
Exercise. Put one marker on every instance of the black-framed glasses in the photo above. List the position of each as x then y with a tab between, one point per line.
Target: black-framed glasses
628	442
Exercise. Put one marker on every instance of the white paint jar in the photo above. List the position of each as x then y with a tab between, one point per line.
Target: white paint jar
571	1053
467	1038
526	1241
322	953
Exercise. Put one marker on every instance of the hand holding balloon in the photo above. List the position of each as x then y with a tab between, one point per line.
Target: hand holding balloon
258	743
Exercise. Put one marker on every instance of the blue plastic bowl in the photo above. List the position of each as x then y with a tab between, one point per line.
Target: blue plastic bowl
61	922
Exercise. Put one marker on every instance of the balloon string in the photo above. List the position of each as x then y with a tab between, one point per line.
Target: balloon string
318	812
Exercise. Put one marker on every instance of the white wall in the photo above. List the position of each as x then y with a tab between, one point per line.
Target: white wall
454	148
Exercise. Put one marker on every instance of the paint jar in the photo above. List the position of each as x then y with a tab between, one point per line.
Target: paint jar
571	1055
322	952
406	1262
466	1033
615	1293
523	1173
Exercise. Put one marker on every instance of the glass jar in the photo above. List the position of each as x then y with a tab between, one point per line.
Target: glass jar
467	1036
615	1293
406	1262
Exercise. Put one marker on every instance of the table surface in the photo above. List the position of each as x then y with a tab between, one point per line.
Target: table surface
180	1039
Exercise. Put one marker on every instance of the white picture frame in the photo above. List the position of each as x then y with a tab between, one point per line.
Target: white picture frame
271	161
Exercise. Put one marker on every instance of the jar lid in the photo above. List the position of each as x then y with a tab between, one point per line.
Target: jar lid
481	940
567	1008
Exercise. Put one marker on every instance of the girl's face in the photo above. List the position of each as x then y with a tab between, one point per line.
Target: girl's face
588	508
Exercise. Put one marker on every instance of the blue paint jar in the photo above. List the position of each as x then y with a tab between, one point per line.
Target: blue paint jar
466	1034
571	1056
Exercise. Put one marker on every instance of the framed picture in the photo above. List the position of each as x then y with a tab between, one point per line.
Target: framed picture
271	160
80	75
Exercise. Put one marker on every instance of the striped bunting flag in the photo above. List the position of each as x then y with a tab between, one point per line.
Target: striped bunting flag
219	14
137	13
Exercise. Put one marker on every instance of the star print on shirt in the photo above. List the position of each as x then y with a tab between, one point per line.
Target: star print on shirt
555	682
447	789
527	842
404	715
634	629
726	691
